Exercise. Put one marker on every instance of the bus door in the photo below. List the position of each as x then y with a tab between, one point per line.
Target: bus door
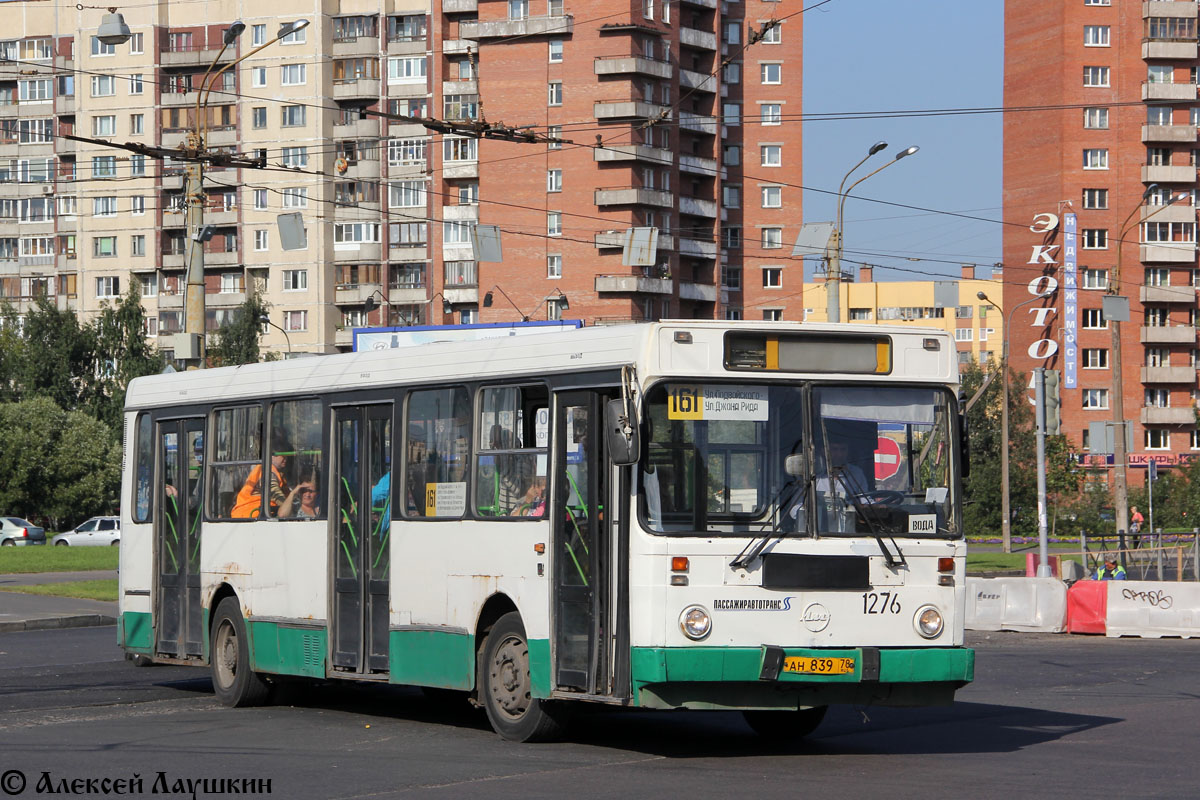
581	627
178	619
361	526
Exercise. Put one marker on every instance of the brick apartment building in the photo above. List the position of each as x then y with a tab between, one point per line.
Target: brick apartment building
673	121
1119	137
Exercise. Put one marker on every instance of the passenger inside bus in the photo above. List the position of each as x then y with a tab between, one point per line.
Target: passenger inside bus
301	502
248	504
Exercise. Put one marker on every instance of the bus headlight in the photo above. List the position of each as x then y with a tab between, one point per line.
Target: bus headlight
695	622
928	622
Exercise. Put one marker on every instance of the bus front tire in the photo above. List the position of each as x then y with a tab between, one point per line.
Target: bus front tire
234	683
505	687
785	725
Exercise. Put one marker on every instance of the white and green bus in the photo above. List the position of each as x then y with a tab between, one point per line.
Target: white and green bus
755	517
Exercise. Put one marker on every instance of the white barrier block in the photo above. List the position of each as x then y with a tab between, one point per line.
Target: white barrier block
1153	609
1016	604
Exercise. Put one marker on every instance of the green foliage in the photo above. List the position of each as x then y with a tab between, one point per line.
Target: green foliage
237	341
16	560
122	354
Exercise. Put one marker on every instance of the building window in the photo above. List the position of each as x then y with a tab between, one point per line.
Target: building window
137	124
554	132
407	152
137	245
772	197
772	277
137	205
962	335
1095	36
292	116
554	223
349	235
40	90
456	232
1179	232
731	155
554	93
260	240
260	199
1095	278
1095	118
258	117
105	125
732	73
556	51
406	194
103	86
1095	358
1095	76
1093	319
771	114
772	155
771	73
554	267
772	238
1158	115
295	280
772	314
1094	238
410	69
258	34
554	182
295	156
295	37
293	74
99	48
1095	199
1095	158
1094	399
137	165
1157	276
733	314
135	84
258	77
136	46
731	237
1097	2
731	196
104	166
1158	439
108	286
295	320
1158	398
731	114
860	315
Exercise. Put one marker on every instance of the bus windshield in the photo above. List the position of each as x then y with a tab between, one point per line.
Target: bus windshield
837	460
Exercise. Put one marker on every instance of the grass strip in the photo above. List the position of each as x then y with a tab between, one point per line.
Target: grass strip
50	558
88	590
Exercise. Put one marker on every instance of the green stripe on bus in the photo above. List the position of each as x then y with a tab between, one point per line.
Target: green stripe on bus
899	665
432	658
539	668
136	632
286	650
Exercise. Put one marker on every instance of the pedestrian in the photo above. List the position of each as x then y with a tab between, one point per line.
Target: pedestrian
1111	571
1135	526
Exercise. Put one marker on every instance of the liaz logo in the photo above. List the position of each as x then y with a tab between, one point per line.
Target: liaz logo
816	617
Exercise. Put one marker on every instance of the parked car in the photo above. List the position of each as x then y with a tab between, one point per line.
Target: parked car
16	531
96	532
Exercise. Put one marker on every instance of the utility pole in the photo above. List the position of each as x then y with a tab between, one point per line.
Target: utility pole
1043	570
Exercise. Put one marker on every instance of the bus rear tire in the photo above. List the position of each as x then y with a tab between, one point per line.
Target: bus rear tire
505	687
785	725
234	683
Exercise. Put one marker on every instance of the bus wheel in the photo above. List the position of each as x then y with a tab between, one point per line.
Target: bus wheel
233	681
504	684
785	725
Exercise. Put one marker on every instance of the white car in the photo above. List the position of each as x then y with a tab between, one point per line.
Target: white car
16	531
96	532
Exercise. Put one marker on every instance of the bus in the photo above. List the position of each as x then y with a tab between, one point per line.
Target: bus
758	517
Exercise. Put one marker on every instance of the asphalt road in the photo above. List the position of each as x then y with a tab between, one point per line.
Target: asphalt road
1062	716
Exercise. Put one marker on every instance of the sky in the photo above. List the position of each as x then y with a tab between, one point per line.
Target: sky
905	55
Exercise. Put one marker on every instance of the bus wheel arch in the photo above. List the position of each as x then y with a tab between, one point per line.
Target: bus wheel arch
503	686
234	683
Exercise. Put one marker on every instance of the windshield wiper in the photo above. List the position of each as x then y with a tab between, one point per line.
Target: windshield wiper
756	546
872	521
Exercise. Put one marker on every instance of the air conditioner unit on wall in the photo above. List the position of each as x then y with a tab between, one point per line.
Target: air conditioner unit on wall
48	189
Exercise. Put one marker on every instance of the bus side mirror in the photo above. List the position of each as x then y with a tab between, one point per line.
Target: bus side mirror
621	431
964	446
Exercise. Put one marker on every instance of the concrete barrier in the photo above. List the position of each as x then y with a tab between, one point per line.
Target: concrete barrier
1087	604
1152	609
1016	604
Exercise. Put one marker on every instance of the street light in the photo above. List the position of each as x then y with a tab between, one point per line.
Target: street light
1005	487
266	320
834	276
557	295
113	29
1120	446
370	305
194	299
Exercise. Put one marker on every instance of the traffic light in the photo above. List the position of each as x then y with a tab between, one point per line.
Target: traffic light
1053	403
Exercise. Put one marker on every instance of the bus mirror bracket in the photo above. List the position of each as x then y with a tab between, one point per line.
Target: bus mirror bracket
624	443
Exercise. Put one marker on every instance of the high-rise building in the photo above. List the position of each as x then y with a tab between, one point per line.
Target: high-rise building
681	115
1099	138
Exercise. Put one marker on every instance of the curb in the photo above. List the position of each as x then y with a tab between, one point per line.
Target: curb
57	623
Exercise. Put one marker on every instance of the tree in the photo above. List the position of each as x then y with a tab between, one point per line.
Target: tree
122	354
57	358
237	341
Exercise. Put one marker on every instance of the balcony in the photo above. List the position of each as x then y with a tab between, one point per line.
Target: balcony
1168	133
64	104
1174	334
459	6
1168	253
701	40
457	296
343	337
632	196
362	168
697	248
458	87
1154	48
698	123
698	165
357	46
697	207
615	240
1167	174
1153	415
355	293
407	47
1168	375
172	260
452	170
701	3
201	57
629	109
633	152
460	213
456	47
408	295
530	26
629	284
351	88
357	251
213	137
225	299
1157	8
177	99
1169	92
632	65
221	258
408	252
697	292
170	301
1178	212
698	81
1167	294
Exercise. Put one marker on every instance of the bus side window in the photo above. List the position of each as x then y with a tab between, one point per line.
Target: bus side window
143	468
237	452
297	458
437	450
510	465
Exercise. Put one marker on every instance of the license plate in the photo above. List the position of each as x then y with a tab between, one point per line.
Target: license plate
805	665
